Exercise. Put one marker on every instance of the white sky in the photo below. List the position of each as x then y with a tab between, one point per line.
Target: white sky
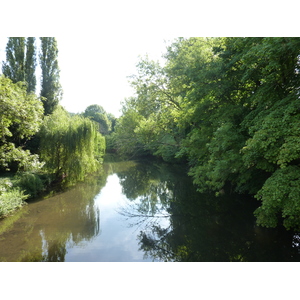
95	70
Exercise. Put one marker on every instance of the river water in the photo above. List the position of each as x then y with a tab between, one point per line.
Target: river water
141	211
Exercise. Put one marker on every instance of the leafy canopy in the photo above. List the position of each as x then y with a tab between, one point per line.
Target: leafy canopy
21	117
71	146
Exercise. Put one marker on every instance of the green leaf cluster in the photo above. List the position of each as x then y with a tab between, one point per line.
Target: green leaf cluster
51	91
149	121
104	120
70	146
280	197
21	61
11	197
125	137
21	116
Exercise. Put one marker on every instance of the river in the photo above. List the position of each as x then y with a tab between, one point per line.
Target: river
141	212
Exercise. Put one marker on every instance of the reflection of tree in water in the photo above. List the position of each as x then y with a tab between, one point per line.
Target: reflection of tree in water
56	252
201	227
89	228
155	243
136	181
150	183
148	190
139	216
151	189
74	219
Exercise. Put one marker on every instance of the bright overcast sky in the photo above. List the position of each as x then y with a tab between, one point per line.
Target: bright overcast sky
95	71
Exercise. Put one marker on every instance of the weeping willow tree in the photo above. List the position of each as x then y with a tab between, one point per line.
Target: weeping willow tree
71	147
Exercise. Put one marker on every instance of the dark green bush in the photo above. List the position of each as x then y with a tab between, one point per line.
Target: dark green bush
31	183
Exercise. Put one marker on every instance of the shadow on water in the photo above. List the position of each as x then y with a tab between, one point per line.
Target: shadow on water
172	221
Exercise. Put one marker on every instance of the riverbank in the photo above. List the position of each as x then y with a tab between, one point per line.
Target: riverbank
16	188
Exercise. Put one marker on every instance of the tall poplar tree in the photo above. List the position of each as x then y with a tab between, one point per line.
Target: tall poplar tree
14	67
30	64
50	87
21	61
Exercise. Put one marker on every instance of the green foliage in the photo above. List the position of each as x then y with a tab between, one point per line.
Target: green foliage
223	161
99	147
25	161
111	143
51	91
14	67
21	61
11	198
280	197
105	121
30	64
154	109
71	146
21	117
272	142
19	109
93	109
126	141
159	142
30	183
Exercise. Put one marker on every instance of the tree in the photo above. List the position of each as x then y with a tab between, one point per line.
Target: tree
70	146
14	67
21	116
51	91
126	141
157	105
30	64
21	61
93	109
97	113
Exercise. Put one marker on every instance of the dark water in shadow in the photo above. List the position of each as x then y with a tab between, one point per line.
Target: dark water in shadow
142	211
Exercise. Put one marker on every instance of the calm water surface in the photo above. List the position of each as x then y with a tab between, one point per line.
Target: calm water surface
142	211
